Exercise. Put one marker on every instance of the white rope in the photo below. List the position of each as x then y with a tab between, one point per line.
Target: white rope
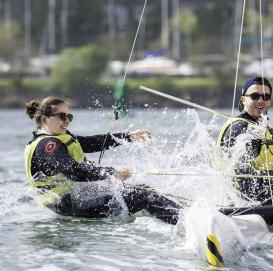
132	50
262	62
238	59
201	174
248	209
261	40
237	71
125	74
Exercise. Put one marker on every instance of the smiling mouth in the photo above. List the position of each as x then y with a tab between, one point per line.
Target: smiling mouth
259	108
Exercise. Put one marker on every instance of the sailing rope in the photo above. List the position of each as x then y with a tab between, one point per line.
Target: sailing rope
117	107
236	74
262	62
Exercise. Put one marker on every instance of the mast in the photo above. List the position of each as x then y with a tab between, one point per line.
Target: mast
64	23
51	25
111	26
164	26
141	38
27	25
7	18
254	30
176	30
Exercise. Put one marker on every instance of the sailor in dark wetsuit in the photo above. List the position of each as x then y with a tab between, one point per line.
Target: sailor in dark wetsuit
257	159
55	163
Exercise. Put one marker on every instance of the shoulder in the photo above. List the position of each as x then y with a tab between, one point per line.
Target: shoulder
239	124
242	121
236	127
49	145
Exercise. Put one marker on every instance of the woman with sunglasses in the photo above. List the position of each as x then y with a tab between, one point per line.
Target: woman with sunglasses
257	157
56	165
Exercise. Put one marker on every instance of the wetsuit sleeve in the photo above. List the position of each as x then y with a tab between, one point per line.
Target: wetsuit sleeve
51	157
96	143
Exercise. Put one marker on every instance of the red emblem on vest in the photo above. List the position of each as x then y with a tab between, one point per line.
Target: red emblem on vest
50	147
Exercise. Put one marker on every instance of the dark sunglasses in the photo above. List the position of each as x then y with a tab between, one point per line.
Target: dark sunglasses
63	116
256	96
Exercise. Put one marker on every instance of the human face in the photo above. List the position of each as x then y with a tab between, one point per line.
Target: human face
54	124
256	108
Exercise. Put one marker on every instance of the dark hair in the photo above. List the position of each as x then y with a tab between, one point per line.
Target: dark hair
36	109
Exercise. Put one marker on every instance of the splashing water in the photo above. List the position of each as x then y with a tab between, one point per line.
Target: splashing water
183	142
206	190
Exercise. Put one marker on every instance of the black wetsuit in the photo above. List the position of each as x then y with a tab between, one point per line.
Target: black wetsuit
52	161
254	188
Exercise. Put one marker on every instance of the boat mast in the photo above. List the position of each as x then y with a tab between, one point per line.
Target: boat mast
7	18
111	27
51	25
176	30
165	26
27	24
64	23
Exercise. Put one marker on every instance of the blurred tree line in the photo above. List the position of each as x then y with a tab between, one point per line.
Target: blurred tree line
205	26
88	33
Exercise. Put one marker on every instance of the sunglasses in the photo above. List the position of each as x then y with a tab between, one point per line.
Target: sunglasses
63	116
256	96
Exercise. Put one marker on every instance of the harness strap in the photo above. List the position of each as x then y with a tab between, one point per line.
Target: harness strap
69	142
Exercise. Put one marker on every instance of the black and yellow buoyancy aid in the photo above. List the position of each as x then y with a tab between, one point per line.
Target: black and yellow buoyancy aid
264	160
52	188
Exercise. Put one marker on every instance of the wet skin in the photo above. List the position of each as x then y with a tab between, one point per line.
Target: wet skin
53	124
256	108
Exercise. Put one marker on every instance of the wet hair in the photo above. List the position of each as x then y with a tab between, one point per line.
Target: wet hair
36	108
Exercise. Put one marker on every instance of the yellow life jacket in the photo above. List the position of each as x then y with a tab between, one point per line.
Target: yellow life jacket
52	188
264	161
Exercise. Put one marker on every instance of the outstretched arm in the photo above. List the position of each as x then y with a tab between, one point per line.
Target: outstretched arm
98	142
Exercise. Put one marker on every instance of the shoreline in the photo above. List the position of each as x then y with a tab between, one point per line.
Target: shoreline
209	92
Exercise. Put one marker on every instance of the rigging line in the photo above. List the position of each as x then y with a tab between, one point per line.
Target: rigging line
200	174
252	200
262	62
188	200
170	97
238	59
252	207
129	60
236	74
261	40
123	81
152	189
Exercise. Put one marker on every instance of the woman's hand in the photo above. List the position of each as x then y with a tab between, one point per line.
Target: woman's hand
140	135
123	173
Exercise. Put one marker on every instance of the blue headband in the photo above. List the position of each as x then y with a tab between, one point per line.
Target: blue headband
255	81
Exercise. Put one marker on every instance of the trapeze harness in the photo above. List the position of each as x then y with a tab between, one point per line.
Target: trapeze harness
52	188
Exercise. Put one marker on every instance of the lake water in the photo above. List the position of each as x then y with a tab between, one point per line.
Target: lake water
34	238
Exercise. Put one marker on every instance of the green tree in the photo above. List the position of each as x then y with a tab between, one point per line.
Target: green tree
10	41
78	65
